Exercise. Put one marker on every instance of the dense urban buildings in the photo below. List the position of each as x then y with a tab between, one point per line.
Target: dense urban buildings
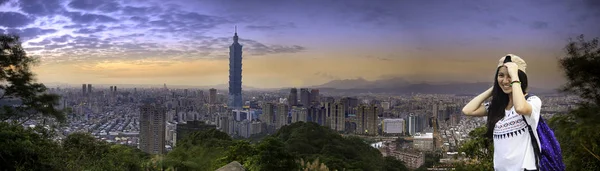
426	122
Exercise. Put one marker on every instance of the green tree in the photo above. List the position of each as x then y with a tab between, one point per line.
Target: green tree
392	164
200	150
272	155
30	98
480	149
28	149
22	99
240	151
575	131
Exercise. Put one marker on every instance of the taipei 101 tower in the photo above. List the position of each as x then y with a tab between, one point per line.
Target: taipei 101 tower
235	74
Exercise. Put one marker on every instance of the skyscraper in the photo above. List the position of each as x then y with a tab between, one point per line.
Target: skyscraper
89	88
282	115
304	97
84	89
152	127
268	113
335	116
212	96
293	98
314	96
235	74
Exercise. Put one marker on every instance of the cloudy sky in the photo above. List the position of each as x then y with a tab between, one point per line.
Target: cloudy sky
294	42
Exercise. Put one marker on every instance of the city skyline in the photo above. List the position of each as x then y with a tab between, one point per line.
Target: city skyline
294	43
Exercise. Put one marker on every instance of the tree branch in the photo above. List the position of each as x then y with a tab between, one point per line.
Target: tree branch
596	156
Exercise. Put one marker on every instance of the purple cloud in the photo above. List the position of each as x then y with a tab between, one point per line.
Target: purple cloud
99	28
95	5
41	7
62	39
80	18
31	33
14	19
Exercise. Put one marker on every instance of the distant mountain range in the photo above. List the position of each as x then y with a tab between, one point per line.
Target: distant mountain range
401	86
359	85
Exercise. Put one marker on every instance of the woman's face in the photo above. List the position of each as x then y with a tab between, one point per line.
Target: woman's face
504	80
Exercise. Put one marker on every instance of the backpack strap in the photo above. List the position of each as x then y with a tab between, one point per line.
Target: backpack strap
536	148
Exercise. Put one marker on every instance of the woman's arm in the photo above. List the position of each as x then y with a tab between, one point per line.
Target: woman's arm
519	101
476	107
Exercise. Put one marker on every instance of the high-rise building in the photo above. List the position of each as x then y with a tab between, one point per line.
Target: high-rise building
371	112
282	115
111	89
293	97
268	113
317	115
235	74
305	97
89	88
367	119
84	88
412	124
200	95
299	114
152	127
115	88
314	95
337	117
212	97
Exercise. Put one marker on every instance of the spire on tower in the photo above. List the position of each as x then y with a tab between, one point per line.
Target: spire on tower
235	36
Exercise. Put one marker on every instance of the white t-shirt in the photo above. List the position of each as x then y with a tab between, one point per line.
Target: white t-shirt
512	144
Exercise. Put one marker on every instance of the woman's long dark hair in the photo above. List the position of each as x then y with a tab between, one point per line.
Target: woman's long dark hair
500	101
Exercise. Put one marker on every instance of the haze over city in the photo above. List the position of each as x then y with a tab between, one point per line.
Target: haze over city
294	43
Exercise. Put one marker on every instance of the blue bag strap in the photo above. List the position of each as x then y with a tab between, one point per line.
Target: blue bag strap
536	147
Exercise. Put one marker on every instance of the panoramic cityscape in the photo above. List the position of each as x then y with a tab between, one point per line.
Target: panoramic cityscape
282	85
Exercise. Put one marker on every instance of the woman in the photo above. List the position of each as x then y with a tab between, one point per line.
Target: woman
512	144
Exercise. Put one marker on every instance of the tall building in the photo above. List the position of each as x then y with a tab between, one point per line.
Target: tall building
212	96
268	113
314	95
89	88
84	88
293	97
305	97
316	115
111	88
235	74
412	124
372	111
115	88
361	119
367	119
152	127
299	114
282	115
336	117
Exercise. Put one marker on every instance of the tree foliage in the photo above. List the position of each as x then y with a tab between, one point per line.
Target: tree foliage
479	149
28	148
576	130
17	84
